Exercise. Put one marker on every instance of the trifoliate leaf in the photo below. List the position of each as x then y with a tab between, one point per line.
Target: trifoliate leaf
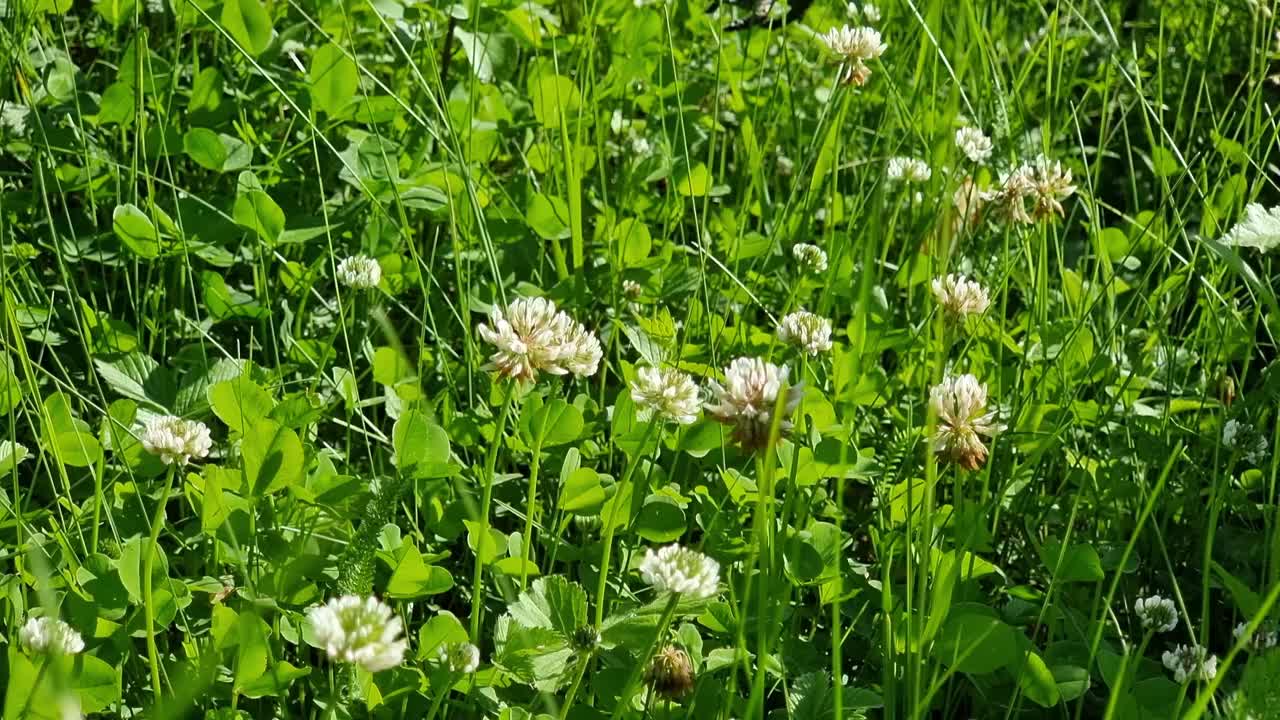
1259	229
552	603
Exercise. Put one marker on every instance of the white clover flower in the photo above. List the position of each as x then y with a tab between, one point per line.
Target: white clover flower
678	569
13	117
1258	642
809	332
460	657
974	144
361	631
870	13
618	123
1156	613
632	289
1010	197
640	147
960	297
960	402
785	165
155	7
176	440
667	394
748	398
1190	662
810	257
48	635
531	336
359	271
1242	438
1052	184
855	46
911	170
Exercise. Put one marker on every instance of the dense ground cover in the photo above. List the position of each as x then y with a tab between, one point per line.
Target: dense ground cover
525	359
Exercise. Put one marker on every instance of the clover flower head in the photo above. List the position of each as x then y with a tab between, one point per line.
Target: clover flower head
667	394
960	297
748	399
974	144
51	636
908	169
670	673
1156	613
361	631
960	403
810	257
360	272
176	440
1259	641
1052	185
676	569
462	658
532	336
855	46
1190	662
809	332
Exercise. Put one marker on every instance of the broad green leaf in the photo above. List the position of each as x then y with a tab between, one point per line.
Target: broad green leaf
138	377
537	656
390	366
551	423
275	681
421	446
413	578
442	629
254	209
631	241
553	96
273	458
97	684
660	520
548	216
224	302
252	650
28	693
240	402
205	147
116	105
1074	563
333	79
11	455
1036	680
553	603
248	23
135	230
694	182
1245	598
582	494
973	640
486	549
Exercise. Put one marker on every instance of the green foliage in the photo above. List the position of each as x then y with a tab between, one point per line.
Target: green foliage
180	183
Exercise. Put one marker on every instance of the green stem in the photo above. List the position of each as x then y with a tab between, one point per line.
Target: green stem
482	537
148	568
573	689
527	540
638	671
439	699
606	540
